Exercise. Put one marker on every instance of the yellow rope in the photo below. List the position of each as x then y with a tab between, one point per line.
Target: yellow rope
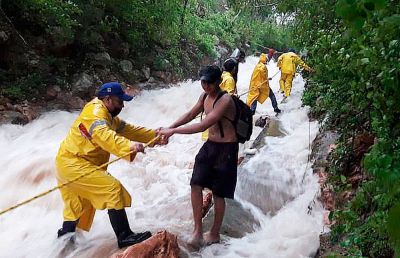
71	181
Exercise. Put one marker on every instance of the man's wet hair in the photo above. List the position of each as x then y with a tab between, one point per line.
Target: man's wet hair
210	74
229	65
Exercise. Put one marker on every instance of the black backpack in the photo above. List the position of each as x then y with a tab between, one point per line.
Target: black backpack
243	121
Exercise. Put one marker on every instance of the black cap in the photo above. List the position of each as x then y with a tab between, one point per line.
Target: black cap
210	74
229	64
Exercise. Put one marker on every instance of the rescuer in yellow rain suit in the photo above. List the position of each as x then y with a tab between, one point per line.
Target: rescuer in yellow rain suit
287	63
95	134
259	89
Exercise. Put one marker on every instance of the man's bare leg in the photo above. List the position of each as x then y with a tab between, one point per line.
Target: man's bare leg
212	236
197	205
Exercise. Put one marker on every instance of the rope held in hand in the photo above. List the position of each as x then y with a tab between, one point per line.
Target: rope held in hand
71	181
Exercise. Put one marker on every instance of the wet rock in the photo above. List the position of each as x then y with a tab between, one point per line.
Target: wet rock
4	37
146	72
263	192
52	92
60	45
102	59
161	245
28	111
12	117
321	147
83	85
4	101
207	203
126	66
222	51
132	90
327	198
162	75
2	108
136	75
238	220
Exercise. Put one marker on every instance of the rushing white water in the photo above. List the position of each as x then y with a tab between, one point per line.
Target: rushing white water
159	181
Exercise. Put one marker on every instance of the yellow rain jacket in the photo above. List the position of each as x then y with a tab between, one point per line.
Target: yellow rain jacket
287	62
259	84
228	83
93	136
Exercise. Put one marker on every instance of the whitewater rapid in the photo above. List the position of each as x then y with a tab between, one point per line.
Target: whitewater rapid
158	181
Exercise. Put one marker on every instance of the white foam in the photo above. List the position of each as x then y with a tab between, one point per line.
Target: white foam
159	180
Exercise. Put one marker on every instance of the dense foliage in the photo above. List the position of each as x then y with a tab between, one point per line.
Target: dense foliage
169	35
355	47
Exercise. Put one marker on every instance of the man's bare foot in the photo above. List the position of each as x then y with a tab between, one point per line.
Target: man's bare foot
196	241
210	238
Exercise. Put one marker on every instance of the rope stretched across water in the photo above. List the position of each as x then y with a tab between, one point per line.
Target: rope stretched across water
71	181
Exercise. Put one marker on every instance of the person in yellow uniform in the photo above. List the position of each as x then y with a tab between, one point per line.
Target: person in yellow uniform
259	89
228	83
287	63
95	134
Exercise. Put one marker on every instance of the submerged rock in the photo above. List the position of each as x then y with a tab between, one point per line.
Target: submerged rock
161	245
238	220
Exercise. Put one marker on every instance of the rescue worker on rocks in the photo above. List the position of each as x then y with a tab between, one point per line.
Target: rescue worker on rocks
95	134
215	165
287	63
259	89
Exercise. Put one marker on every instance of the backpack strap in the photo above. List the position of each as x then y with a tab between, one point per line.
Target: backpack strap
204	99
221	131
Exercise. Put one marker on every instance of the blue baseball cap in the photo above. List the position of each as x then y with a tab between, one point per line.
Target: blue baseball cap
113	89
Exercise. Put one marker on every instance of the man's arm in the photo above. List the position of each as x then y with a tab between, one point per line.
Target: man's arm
298	61
212	118
191	114
134	133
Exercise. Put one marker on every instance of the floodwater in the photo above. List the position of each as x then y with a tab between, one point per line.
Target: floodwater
270	184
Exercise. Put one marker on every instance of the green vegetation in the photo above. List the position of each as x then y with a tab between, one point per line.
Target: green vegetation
354	46
171	35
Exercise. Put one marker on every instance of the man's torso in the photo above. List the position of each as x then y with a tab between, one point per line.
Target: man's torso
214	133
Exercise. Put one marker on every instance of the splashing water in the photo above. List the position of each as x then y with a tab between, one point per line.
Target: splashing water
158	181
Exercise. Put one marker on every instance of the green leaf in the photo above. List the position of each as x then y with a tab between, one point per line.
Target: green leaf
343	179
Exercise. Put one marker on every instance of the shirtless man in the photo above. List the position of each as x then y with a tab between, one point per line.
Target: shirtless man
215	165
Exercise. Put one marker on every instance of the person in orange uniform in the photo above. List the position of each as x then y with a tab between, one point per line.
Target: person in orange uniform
259	89
95	134
287	63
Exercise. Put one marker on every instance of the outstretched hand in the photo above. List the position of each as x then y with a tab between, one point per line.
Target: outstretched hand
162	140
166	132
137	147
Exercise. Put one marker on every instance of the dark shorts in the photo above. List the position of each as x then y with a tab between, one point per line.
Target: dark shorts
215	168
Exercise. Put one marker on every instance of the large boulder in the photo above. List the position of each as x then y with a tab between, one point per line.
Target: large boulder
126	66
238	220
13	117
162	75
162	245
101	60
83	85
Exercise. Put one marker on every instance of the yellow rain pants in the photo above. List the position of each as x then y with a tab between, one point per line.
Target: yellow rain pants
285	83
93	136
259	84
